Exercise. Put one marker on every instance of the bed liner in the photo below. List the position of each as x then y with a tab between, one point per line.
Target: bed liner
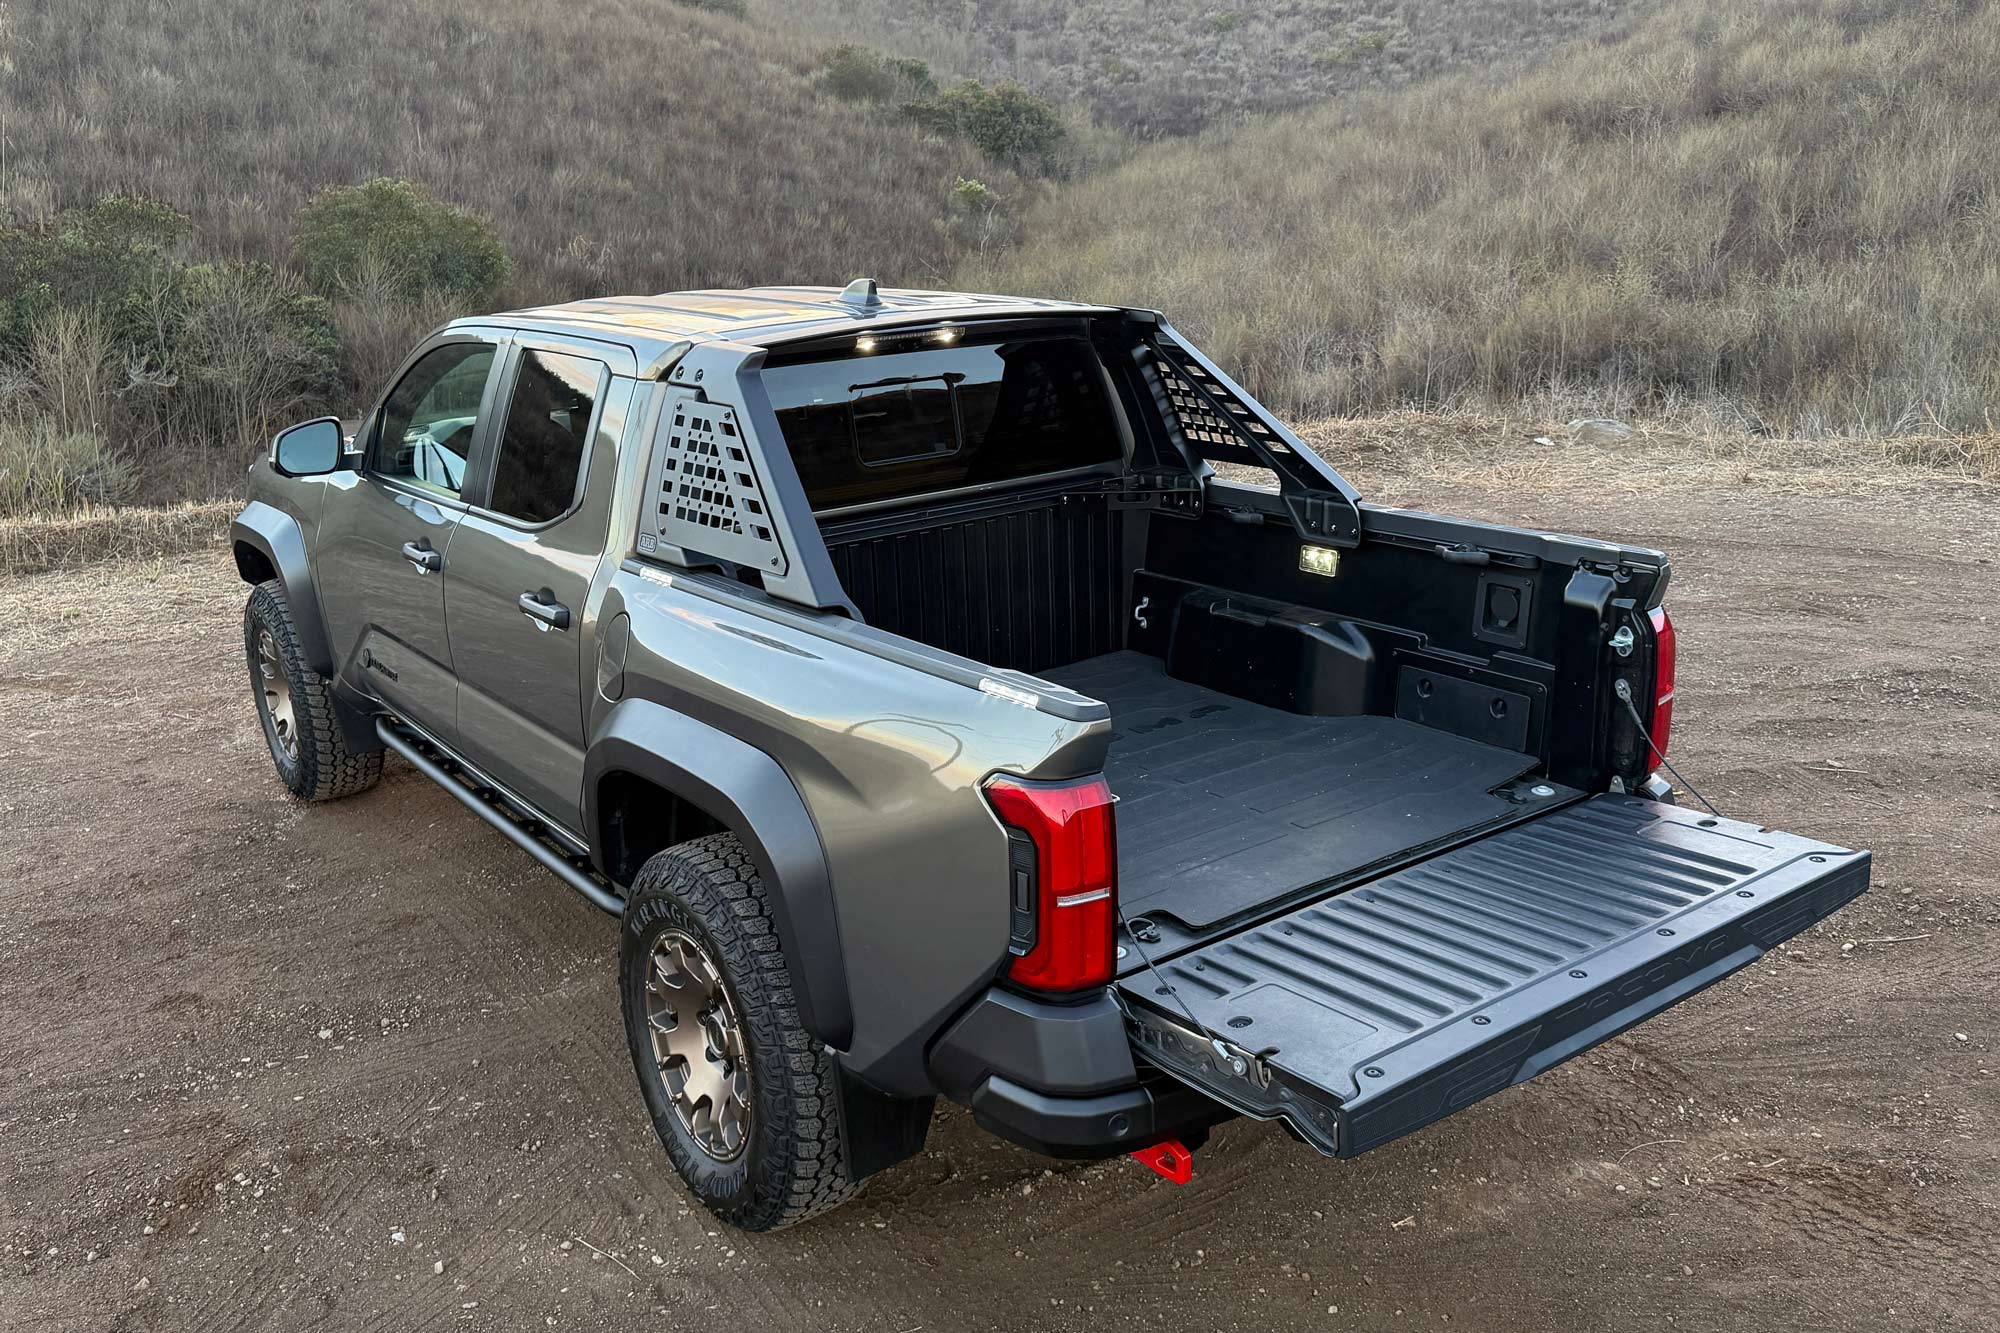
1368	1014
1227	806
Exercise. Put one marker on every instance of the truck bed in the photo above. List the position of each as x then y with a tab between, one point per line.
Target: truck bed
1227	806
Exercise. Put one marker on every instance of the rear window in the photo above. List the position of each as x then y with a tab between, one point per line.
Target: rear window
912	415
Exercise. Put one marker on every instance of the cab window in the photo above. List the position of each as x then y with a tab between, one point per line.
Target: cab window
897	416
547	436
428	422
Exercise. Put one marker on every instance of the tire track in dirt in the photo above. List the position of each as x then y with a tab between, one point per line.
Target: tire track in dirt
1835	1160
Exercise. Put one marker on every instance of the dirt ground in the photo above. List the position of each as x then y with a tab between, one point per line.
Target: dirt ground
360	1066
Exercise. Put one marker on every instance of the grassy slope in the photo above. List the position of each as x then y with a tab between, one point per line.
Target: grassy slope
627	144
1785	205
1170	66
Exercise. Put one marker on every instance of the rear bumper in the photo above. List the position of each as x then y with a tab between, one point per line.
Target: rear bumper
1060	1078
1105	1125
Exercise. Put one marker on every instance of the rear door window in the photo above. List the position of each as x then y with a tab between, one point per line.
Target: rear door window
547	436
910	415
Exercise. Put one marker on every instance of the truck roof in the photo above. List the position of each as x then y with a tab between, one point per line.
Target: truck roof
763	316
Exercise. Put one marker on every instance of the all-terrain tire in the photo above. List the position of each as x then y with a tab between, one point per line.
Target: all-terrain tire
317	765
793	1163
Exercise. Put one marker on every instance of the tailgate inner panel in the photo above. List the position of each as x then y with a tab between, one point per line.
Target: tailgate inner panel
1401	1000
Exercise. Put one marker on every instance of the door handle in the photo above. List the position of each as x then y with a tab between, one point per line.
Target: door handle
420	554
543	608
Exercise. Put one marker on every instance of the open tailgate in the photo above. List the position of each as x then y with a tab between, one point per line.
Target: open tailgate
1367	1015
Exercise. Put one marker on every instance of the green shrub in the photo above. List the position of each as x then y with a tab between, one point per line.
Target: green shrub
252	352
972	196
857	74
1006	122
427	244
116	349
736	9
111	257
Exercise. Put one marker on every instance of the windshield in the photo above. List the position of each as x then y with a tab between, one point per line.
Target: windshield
910	415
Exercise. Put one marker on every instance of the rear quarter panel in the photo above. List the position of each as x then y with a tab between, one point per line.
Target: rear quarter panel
888	760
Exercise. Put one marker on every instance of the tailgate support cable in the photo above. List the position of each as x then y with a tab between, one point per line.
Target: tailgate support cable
1215	1043
1624	692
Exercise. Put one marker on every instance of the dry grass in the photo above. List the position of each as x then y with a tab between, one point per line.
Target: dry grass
95	534
1784	207
1164	67
618	145
1403	457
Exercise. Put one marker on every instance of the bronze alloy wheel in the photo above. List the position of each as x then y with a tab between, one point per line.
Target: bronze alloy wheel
698	1045
276	695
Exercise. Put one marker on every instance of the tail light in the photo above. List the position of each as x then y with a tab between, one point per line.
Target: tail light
1664	652
1064	878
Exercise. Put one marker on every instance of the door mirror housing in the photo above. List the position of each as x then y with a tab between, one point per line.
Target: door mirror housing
309	449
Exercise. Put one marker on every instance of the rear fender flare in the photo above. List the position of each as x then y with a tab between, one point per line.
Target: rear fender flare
276	536
747	791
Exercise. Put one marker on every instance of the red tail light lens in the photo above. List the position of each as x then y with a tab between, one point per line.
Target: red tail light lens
1664	652
1065	881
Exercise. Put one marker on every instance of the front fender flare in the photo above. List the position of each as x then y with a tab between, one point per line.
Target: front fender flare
282	542
751	795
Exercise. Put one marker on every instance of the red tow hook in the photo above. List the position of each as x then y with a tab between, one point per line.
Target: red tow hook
1169	1158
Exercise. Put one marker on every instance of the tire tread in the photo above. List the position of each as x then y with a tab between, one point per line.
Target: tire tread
327	770
801	1163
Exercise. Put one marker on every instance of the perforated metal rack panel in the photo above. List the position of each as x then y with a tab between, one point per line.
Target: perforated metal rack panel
1214	436
1219	423
706	498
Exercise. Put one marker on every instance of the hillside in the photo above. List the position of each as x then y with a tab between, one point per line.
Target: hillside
627	144
1165	67
164	305
1781	211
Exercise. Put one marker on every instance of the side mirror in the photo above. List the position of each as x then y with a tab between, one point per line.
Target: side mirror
310	449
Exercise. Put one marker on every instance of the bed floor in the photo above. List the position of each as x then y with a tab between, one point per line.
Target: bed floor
1226	806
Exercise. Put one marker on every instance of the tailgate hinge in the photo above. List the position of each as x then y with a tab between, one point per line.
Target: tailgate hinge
1185	1046
1239	1078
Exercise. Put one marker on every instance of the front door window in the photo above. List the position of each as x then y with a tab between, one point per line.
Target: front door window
428	422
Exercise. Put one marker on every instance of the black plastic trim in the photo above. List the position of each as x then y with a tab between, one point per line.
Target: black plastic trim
1104	1125
750	794
278	537
1077	1047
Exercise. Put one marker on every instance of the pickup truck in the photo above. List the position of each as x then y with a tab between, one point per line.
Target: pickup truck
939	719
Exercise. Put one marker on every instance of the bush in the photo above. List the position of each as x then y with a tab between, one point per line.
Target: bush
971	196
71	370
45	469
978	223
111	257
378	328
858	74
1007	122
116	348
252	352
398	226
